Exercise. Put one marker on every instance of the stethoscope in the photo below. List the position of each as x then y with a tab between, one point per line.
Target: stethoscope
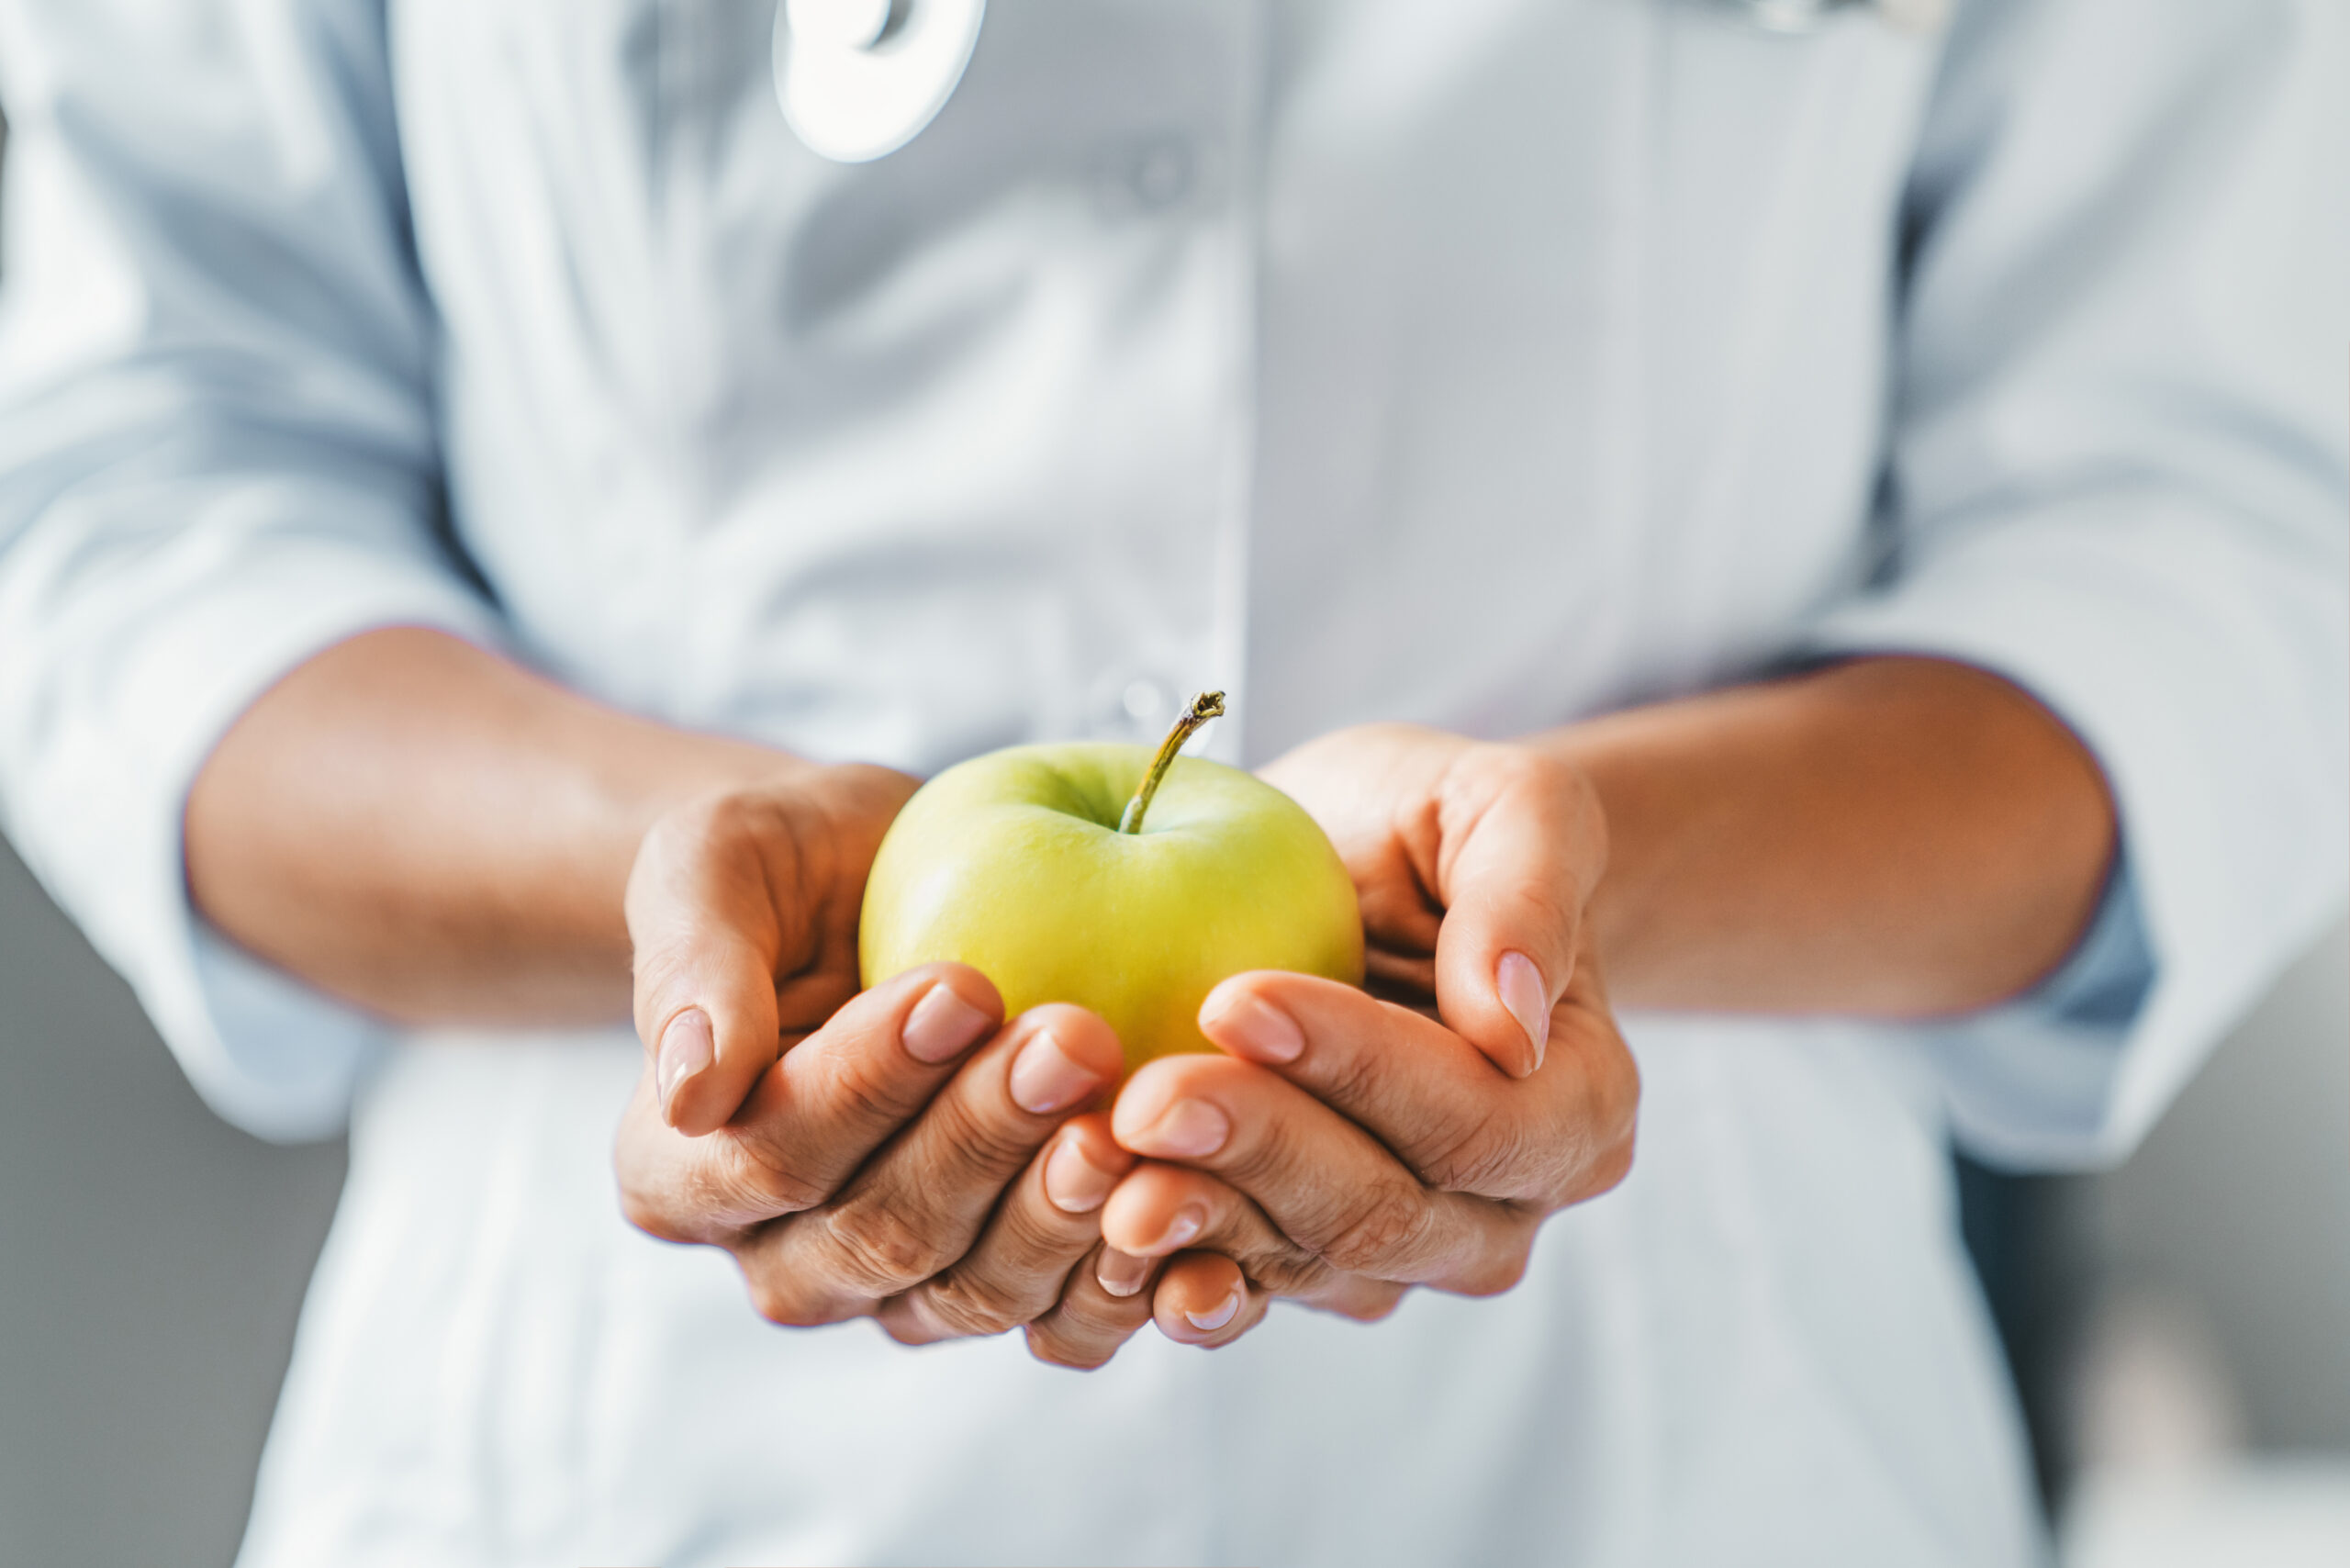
859	79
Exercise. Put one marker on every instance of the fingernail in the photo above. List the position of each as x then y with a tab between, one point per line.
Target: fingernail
1256	1029
1527	998
942	1025
686	1047
1043	1079
1217	1317
1075	1183
1185	1129
1184	1229
1123	1274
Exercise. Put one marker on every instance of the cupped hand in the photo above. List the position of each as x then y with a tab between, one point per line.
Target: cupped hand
742	913
903	1154
1350	1145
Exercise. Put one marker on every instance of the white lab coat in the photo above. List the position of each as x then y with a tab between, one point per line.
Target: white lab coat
1483	364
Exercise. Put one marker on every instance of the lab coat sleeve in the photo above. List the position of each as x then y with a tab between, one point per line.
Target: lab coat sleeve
216	458
2118	477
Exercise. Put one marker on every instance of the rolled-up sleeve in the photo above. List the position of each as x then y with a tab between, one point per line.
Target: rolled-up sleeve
216	458
2118	477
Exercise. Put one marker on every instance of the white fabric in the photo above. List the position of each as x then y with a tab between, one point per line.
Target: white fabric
1484	364
1762	1349
2118	479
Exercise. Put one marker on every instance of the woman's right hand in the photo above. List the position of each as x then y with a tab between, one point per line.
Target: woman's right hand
903	1154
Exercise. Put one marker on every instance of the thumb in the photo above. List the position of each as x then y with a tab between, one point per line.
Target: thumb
708	942
1522	844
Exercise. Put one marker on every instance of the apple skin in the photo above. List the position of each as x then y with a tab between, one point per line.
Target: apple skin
1012	863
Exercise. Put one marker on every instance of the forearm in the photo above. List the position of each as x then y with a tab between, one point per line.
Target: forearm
437	834
1895	838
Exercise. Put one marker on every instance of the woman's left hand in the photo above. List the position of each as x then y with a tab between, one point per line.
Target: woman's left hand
1353	1144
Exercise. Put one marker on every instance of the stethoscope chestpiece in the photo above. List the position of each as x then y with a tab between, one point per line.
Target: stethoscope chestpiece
859	79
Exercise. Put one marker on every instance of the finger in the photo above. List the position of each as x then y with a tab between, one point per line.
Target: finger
1325	1183
674	1188
1428	1096
742	912
1520	845
811	1120
709	939
916	1206
1204	1299
1089	1323
1163	1209
848	1088
1016	1271
1416	1085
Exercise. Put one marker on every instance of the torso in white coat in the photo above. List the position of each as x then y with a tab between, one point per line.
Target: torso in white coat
1479	364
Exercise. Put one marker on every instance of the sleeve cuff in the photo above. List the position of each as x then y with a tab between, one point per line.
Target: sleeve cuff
107	738
2031	1082
2203	666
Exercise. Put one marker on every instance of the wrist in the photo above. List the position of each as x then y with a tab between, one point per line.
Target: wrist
1887	836
437	834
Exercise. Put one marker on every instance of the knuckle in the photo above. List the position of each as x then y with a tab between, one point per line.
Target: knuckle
775	1297
1484	1158
1504	1249
653	1218
1491	770
1559	784
1302	1277
724	818
1277	1265
1057	1349
900	1332
1500	1269
1351	1076
1370	1305
1602	1154
761	1178
1384	1228
699	835
1622	1108
1036	1238
1270	1154
859	1093
968	1306
981	1140
880	1250
1608	1171
1563	1178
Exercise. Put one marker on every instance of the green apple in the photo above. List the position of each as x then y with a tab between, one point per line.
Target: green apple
1098	874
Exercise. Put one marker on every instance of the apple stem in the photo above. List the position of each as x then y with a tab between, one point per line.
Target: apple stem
1205	706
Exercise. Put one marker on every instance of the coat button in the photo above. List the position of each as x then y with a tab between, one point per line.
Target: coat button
1162	172
1148	174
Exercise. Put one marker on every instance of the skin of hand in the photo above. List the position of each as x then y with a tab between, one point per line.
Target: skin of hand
1764	849
438	834
1351	1144
903	1154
